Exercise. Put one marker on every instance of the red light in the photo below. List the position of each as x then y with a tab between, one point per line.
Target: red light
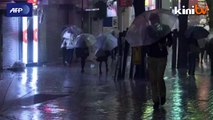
35	35
25	36
34	2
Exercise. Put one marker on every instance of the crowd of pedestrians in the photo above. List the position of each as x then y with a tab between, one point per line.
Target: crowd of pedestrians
156	54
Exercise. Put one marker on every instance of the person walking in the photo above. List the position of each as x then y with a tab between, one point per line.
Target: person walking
209	50
68	49
157	59
193	52
83	53
103	58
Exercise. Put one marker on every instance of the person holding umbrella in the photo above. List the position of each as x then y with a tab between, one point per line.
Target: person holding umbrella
105	44
152	30
102	57
193	34
83	42
68	35
157	58
83	53
193	52
68	47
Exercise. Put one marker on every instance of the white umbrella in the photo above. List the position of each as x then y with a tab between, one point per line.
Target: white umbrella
73	29
106	41
139	32
85	40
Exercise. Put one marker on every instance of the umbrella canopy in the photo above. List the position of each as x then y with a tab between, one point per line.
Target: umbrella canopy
137	35
106	41
85	40
196	32
71	30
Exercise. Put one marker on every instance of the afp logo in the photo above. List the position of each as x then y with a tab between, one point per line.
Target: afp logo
19	10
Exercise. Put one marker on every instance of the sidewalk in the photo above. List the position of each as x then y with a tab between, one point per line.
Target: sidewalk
62	93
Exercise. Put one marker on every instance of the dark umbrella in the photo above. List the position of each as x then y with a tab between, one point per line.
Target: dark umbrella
196	32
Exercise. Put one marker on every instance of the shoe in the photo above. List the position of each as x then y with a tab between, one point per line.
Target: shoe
156	106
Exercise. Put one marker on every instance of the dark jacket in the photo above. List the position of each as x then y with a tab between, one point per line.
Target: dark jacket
82	52
193	46
159	48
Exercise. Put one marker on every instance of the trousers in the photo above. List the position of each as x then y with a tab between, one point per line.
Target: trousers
156	69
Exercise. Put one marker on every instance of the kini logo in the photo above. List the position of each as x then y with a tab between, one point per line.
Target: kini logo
19	10
195	10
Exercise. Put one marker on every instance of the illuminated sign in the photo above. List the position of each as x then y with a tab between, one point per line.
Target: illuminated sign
19	9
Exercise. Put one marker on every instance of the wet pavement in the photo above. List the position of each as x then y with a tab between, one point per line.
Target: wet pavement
55	92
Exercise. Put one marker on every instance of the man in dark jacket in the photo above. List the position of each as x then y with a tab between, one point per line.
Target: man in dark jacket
209	49
157	59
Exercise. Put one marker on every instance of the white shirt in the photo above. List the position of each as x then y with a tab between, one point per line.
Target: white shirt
69	43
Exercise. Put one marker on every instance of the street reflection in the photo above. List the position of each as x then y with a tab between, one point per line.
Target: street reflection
203	92
124	102
24	77
188	98
176	100
29	77
34	78
50	111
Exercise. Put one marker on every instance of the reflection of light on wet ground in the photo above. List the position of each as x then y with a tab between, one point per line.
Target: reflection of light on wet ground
148	111
24	77
25	115
53	108
53	111
176	95
203	84
28	78
34	76
22	87
50	111
36	115
195	114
